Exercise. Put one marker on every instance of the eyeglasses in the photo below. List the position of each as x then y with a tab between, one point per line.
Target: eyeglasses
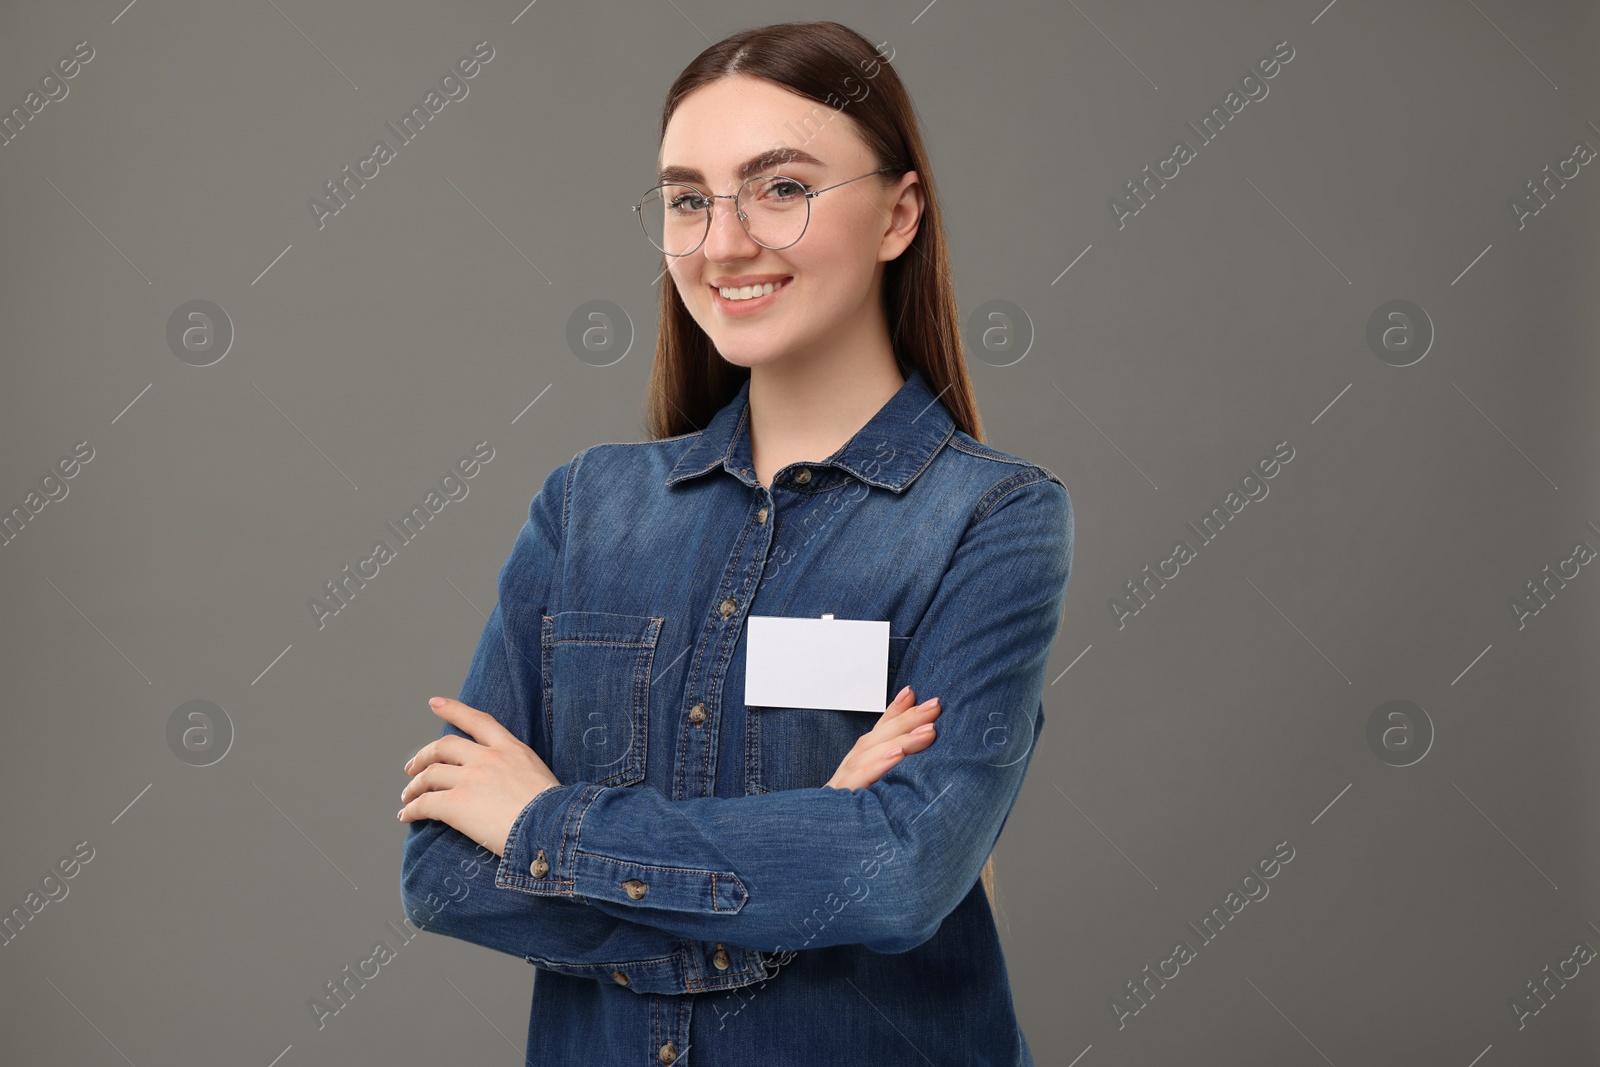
774	211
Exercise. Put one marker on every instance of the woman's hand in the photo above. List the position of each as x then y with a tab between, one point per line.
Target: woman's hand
478	784
902	729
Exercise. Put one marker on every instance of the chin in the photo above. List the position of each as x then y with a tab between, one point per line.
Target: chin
743	356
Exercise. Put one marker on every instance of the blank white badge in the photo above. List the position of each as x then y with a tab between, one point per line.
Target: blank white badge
840	664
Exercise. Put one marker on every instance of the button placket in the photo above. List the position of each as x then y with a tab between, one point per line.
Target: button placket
698	753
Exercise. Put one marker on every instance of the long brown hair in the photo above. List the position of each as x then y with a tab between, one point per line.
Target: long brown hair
689	381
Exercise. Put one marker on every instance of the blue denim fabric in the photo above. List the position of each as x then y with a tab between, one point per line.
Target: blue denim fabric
692	892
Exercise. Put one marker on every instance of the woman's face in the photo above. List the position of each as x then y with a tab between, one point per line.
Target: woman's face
831	276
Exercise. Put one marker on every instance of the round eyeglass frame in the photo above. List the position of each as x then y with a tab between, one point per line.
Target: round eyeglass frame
638	209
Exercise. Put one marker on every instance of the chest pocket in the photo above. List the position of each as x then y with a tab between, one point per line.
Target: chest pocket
597	668
800	748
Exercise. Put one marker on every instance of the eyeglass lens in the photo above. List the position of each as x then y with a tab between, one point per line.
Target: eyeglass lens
774	210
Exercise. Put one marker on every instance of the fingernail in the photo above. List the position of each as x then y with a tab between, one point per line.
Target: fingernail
901	695
893	752
399	813
437	702
923	730
410	761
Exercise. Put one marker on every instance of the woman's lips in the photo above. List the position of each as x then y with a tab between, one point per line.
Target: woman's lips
741	308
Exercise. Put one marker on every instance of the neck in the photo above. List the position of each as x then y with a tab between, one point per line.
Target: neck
806	409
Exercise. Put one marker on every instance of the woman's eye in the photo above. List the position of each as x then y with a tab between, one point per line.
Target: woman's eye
686	204
785	189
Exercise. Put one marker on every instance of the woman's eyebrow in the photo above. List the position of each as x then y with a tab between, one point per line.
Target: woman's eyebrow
748	169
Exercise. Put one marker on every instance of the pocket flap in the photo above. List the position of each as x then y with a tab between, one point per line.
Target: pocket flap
603	627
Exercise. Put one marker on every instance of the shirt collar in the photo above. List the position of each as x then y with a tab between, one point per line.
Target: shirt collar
893	447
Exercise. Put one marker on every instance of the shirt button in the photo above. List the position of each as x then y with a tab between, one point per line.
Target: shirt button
668	1053
721	961
634	888
697	714
621	978
539	868
761	517
728	607
802	476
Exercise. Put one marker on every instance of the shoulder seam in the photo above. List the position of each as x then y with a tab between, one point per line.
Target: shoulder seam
1010	484
986	453
566	491
983	451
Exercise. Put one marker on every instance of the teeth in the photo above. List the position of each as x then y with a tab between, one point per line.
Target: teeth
748	292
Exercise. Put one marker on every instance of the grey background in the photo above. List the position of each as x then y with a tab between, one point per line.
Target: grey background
1228	315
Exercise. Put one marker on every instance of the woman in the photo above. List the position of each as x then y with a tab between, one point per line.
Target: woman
780	885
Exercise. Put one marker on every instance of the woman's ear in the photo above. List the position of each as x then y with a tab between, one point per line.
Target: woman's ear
905	217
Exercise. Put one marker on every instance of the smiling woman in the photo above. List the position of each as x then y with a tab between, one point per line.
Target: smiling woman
815	449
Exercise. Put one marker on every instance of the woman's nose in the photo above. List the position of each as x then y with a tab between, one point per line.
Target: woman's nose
727	238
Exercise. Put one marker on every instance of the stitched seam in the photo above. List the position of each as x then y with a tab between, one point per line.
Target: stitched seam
599	637
674	475
639	717
541	887
695	976
727	980
547	691
983	451
639	714
739	428
613	860
566	495
522	881
694	472
575	824
570	832
817	485
721	979
998	492
949	435
746	591
1007	486
607	967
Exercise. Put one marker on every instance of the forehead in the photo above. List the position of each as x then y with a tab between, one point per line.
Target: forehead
721	127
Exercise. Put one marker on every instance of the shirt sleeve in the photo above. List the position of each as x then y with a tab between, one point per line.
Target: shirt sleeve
880	866
448	882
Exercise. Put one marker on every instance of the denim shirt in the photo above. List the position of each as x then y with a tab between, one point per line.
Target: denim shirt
692	892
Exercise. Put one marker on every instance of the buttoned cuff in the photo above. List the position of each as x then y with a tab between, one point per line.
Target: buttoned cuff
540	850
544	856
697	967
